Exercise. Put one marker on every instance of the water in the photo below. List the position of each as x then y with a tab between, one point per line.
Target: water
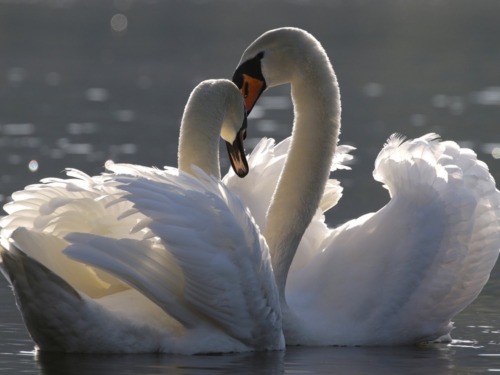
475	350
82	82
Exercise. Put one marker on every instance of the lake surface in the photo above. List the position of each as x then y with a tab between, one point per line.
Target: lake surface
86	81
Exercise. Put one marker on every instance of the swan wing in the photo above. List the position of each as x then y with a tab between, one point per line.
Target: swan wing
54	207
266	162
400	275
462	221
256	190
206	255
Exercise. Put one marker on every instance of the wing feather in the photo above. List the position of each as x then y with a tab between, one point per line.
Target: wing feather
208	254
400	275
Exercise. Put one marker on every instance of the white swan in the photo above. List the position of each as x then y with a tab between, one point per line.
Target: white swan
397	276
191	273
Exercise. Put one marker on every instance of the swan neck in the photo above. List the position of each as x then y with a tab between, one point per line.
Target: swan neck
199	139
316	100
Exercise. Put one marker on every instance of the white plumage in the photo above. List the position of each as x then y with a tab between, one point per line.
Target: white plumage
179	265
399	275
174	262
396	276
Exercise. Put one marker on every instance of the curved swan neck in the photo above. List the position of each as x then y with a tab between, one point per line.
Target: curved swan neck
200	130
316	100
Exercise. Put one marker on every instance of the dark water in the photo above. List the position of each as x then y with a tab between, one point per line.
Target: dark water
85	81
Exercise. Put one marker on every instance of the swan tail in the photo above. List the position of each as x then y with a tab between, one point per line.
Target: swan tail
208	256
61	319
44	298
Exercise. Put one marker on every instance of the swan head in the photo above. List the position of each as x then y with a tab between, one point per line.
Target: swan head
234	129
214	109
274	58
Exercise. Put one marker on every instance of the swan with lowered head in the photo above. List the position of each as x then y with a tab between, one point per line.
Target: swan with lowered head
179	265
396	276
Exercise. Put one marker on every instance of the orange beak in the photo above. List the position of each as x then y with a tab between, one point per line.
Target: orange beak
251	90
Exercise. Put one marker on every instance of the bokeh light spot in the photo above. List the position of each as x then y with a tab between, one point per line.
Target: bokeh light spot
119	23
33	166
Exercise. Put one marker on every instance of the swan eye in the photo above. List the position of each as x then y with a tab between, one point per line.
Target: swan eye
245	89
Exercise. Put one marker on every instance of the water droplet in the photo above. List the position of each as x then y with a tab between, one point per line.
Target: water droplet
119	22
496	153
33	166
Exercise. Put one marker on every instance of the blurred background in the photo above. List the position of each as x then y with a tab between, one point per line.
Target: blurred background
84	81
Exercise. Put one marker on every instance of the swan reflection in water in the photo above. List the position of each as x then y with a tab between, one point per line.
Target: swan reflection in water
435	359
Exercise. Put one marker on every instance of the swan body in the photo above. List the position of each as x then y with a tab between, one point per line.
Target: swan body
399	275
396	276
146	260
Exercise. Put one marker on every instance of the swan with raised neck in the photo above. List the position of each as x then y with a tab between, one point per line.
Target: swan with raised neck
175	303
214	109
291	55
